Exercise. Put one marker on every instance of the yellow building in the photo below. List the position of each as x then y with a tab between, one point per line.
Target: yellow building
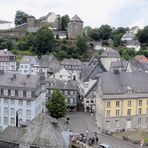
122	101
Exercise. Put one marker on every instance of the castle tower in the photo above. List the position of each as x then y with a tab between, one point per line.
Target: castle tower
75	27
31	21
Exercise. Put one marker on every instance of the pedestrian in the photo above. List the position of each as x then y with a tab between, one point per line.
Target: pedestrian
97	139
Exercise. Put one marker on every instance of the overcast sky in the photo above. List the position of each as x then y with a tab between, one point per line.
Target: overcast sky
93	12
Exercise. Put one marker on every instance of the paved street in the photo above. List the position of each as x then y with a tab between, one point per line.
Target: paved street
80	122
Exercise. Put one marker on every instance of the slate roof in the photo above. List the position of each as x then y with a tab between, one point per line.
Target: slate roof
75	18
44	17
133	43
138	66
53	83
72	61
111	53
29	59
118	84
42	131
121	65
21	81
92	70
50	62
6	52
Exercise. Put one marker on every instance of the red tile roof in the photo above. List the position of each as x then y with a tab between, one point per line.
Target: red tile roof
141	58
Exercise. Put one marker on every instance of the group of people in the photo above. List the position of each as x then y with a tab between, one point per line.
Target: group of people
88	138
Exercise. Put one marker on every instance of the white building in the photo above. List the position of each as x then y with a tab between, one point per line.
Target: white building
22	94
130	34
7	60
29	65
62	74
135	44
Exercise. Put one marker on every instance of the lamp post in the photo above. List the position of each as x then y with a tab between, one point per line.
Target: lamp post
16	118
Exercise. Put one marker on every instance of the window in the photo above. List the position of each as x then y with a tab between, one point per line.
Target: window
20	102
25	66
87	101
28	94
108	104
107	124
21	66
0	119
92	101
13	93
108	113
117	112
51	91
6	120
12	111
129	103
12	101
20	111
71	100
71	93
6	110
5	92
117	103
117	123
28	113
139	120
139	111
27	120
28	103
65	92
140	102
129	112
60	76
20	93
12	121
5	101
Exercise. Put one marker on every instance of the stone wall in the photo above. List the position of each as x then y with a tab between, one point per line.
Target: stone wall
75	29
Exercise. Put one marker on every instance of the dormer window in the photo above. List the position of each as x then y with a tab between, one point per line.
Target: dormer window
129	90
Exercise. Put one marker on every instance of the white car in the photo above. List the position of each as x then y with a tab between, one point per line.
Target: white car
104	145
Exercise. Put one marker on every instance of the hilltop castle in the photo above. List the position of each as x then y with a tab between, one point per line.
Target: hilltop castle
53	21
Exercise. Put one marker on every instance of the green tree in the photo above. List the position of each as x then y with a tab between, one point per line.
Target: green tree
105	32
81	44
20	17
64	22
127	53
94	34
56	104
44	41
117	35
143	35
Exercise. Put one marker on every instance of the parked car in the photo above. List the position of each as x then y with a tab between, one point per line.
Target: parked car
104	145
